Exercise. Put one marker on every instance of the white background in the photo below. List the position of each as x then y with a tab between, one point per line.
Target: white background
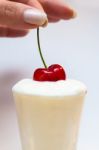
73	44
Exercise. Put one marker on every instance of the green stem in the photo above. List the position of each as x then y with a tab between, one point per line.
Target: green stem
39	48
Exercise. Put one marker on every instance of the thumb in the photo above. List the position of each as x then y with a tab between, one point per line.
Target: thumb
21	16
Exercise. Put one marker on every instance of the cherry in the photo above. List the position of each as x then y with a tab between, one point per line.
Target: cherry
54	72
58	71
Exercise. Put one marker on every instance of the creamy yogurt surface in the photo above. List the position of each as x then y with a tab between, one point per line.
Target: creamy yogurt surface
59	88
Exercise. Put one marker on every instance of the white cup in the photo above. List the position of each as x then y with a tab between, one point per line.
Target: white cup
48	122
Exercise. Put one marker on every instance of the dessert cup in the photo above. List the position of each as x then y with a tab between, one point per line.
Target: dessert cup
49	113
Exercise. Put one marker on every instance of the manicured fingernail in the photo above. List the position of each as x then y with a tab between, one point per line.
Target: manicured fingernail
34	16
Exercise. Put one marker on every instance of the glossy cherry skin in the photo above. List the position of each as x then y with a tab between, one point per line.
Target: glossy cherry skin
54	72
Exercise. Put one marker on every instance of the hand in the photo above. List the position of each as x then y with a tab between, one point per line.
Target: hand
18	16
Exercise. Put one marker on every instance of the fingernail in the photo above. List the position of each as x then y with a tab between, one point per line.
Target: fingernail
34	16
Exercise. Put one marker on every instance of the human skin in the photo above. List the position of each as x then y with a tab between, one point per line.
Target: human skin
14	22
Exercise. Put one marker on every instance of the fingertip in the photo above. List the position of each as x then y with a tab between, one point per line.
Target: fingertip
69	14
74	14
45	23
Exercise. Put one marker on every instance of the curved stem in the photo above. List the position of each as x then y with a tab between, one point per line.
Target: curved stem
39	48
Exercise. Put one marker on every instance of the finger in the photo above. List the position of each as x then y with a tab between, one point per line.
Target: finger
21	16
33	3
58	8
53	19
7	32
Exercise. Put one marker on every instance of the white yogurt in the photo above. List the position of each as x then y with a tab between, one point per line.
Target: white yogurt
49	113
58	88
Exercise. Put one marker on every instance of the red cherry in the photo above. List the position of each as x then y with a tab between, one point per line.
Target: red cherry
52	73
58	71
42	74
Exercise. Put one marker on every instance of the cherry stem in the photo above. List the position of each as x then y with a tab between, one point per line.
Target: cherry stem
39	48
